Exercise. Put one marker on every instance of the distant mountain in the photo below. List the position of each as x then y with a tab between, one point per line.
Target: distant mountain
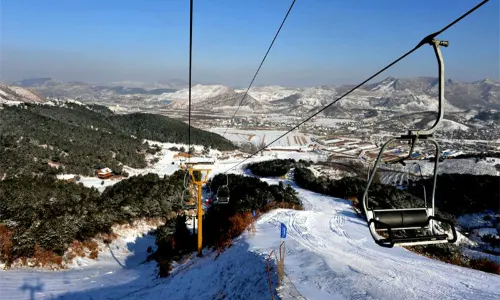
121	90
480	95
32	82
174	84
393	94
53	88
16	94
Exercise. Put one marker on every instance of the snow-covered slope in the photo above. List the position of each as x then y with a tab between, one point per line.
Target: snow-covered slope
270	93
449	125
15	94
329	255
199	92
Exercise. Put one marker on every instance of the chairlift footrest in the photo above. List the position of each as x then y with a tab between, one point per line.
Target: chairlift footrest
424	238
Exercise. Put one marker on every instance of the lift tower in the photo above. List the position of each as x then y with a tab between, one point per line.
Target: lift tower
199	176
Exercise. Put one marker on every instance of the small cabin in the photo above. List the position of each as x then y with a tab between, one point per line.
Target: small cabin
104	173
181	155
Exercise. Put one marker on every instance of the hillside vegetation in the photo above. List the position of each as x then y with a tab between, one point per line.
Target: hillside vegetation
82	138
43	212
276	167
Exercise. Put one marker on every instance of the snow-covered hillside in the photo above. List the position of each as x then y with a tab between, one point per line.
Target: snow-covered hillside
398	173
270	93
257	137
10	94
449	125
329	255
199	92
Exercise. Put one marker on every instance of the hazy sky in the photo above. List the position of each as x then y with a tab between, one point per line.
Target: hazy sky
323	41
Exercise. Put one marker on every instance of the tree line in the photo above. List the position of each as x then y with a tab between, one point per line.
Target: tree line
80	139
52	213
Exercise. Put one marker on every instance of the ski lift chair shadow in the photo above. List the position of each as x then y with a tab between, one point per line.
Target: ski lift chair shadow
391	220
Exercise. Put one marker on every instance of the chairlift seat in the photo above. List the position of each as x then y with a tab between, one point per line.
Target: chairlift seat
402	218
223	200
222	194
418	215
189	206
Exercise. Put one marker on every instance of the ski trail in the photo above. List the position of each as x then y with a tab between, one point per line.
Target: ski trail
336	223
331	255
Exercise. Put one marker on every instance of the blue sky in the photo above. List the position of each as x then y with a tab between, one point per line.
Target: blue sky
323	41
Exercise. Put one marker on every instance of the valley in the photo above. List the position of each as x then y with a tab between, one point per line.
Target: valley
142	141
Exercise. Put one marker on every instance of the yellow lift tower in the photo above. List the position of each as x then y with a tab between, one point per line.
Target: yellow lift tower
199	176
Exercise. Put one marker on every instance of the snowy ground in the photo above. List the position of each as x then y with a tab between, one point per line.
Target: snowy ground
329	255
258	136
331	122
167	164
448	166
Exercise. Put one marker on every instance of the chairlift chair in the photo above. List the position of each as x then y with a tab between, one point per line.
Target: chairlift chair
187	200
391	220
223	193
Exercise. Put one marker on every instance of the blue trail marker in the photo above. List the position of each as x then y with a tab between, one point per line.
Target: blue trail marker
283	231
254	214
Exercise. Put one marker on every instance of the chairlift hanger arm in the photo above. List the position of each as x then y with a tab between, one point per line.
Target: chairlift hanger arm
439	56
414	135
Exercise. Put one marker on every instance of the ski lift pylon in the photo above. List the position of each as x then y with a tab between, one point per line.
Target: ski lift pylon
411	218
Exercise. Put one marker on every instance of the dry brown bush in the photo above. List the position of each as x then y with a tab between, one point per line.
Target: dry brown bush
107	238
485	265
5	243
44	258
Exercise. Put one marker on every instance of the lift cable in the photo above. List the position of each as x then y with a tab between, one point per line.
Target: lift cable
190	74
261	63
424	41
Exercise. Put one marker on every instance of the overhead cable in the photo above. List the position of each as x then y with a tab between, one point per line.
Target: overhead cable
424	41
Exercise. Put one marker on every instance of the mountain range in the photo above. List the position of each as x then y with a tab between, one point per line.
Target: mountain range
395	94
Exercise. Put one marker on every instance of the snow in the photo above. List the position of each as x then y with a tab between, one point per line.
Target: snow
90	181
448	166
120	263
331	121
199	92
475	220
256	137
25	93
270	93
385	86
449	125
329	255
486	231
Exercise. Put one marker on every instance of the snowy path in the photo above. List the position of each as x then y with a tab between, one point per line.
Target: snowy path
330	255
119	264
